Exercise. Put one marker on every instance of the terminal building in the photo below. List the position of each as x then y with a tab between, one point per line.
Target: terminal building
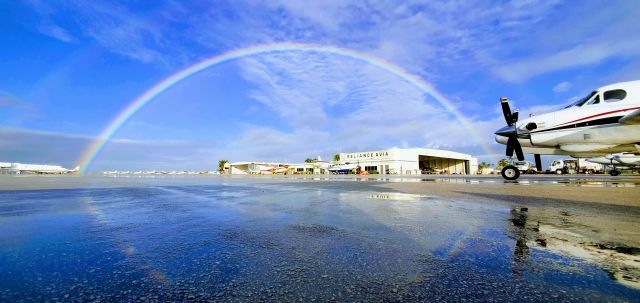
261	168
412	161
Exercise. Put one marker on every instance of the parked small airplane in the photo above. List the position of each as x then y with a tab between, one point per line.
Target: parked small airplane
606	121
276	170
20	168
618	162
343	169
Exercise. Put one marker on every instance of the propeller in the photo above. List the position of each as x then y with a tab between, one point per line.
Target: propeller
510	118
510	131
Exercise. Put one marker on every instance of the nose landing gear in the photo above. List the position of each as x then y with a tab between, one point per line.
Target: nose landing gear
510	173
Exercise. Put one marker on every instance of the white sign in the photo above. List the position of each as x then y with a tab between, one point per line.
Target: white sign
366	155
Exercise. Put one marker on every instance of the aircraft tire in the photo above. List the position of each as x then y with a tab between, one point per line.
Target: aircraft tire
614	172
510	173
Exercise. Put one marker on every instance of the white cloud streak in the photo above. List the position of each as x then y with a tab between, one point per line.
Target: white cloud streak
333	103
56	32
327	103
516	39
562	87
35	146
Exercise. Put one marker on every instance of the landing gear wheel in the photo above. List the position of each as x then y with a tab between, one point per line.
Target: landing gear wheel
510	172
614	172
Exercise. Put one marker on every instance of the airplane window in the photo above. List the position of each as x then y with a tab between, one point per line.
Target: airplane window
583	100
614	95
596	100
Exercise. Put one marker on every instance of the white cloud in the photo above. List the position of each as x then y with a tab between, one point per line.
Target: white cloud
331	102
515	39
579	55
327	14
34	146
111	25
562	87
419	36
7	99
631	71
573	41
57	32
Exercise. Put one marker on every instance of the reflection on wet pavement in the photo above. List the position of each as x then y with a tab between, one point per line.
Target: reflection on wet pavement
286	241
521	251
559	234
579	181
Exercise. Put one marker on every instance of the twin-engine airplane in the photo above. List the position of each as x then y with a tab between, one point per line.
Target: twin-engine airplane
605	122
618	162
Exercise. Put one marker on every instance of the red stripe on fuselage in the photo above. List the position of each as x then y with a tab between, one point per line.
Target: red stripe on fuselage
602	114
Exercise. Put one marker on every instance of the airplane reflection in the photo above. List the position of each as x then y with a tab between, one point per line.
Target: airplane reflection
560	232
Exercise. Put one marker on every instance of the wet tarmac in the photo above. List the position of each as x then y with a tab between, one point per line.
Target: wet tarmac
562	180
251	239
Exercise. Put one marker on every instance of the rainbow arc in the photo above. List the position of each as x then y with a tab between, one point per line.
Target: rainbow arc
137	104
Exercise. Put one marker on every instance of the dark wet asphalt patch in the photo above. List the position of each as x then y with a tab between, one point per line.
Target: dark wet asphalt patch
281	242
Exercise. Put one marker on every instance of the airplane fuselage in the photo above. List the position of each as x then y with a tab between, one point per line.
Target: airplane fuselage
618	160
589	128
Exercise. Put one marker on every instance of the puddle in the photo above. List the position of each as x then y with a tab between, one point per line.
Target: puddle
394	196
234	240
600	181
535	229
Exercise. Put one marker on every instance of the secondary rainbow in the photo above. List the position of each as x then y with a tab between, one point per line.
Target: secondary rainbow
94	148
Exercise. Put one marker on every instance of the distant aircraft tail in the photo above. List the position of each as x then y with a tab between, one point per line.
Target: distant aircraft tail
76	169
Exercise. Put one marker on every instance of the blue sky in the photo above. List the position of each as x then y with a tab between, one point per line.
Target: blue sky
68	68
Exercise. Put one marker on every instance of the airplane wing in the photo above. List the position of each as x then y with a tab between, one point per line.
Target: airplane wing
631	118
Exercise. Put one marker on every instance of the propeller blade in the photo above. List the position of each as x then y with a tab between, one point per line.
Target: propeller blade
538	162
514	145
519	152
510	147
514	117
511	119
506	111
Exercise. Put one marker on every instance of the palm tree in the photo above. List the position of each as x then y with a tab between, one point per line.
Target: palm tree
309	160
336	157
221	164
484	165
502	163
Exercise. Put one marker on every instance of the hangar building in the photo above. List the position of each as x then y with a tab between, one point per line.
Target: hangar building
412	161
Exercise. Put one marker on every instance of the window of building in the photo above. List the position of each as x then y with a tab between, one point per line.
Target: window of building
614	95
371	168
300	169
